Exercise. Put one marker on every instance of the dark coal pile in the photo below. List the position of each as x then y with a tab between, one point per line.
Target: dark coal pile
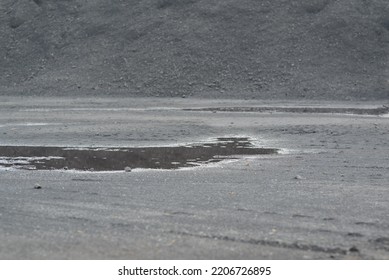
300	49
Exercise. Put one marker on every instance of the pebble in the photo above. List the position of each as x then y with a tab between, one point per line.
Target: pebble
354	249
127	169
37	186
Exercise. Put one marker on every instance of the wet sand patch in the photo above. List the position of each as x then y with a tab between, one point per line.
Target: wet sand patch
113	159
318	110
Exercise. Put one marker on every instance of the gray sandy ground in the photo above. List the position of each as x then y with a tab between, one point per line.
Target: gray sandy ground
325	196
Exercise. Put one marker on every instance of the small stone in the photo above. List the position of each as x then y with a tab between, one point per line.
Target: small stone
37	186
127	169
298	177
354	249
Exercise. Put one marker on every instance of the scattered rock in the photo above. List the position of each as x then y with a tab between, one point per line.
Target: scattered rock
21	12
37	186
381	243
15	22
298	177
127	169
354	234
354	249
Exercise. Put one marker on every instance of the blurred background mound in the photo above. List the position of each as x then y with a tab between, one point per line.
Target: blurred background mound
295	49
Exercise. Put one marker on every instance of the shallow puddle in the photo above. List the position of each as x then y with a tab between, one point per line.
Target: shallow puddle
111	159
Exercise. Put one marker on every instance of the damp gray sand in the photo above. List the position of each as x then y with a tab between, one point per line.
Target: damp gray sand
111	159
325	199
318	110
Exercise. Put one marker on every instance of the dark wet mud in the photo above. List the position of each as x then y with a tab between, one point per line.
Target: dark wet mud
320	110
111	159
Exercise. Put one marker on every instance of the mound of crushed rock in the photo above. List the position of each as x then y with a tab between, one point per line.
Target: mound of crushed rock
314	49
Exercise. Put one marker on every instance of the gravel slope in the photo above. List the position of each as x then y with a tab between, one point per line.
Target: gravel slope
320	49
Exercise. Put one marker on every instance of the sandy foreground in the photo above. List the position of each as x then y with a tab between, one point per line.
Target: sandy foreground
323	196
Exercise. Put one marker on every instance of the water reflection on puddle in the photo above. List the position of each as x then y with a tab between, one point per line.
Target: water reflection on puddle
112	159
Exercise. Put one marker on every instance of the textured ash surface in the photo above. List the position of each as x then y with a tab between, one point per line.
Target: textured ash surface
306	49
326	196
